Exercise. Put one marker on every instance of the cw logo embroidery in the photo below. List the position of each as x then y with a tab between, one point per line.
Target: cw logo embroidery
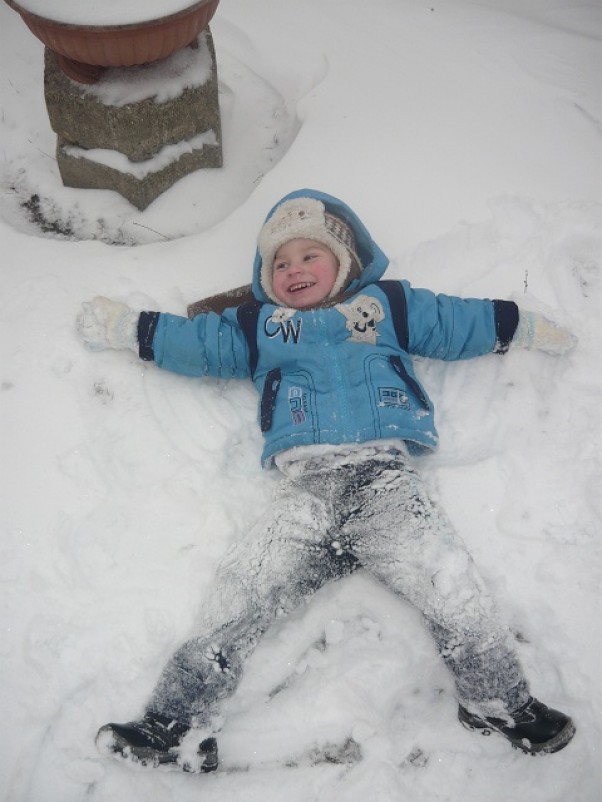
362	315
280	324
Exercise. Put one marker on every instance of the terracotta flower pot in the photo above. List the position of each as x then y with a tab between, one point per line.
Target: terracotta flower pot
84	52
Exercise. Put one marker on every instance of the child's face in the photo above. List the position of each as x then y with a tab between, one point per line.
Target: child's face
304	273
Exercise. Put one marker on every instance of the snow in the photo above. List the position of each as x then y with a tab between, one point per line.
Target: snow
468	137
162	80
164	157
109	12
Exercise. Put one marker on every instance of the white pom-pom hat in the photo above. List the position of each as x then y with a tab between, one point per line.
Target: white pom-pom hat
307	218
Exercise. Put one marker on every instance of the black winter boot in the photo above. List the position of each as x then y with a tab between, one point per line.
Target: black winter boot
154	741
534	728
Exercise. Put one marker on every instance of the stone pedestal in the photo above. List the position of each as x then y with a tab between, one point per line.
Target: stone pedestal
138	149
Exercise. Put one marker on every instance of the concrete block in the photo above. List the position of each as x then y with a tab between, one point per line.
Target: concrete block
155	142
79	170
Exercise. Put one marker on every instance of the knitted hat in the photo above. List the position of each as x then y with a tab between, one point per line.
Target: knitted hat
307	218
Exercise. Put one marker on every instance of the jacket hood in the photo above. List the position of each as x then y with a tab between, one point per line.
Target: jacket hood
374	262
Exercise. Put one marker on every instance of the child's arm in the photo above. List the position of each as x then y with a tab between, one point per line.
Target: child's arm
209	345
451	328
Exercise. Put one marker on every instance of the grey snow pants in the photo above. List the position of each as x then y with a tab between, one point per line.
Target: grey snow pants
332	514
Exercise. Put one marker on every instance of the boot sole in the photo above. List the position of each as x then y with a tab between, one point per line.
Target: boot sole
555	744
108	740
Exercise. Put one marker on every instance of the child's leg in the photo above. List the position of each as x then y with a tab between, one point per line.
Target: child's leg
400	536
283	560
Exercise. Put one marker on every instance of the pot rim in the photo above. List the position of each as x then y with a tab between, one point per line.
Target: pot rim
104	28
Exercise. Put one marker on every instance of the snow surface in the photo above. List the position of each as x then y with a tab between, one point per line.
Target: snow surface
162	80
468	136
107	12
166	156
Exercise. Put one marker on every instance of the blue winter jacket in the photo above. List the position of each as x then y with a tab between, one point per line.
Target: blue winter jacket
334	375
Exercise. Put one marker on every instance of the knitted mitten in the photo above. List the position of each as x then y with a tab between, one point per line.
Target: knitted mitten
534	331
104	323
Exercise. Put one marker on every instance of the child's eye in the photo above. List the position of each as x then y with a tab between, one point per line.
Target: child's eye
279	265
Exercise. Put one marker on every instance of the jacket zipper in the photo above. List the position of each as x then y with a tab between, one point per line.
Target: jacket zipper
273	380
412	384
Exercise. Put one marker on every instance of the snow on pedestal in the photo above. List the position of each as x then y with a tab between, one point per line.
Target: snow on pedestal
138	130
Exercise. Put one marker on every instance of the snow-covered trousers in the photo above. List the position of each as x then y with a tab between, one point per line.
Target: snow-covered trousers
332	514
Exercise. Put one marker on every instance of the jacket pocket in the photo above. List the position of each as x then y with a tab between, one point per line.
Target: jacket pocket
409	381
268	398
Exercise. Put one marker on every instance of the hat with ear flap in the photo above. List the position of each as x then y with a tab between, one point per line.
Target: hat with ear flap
307	218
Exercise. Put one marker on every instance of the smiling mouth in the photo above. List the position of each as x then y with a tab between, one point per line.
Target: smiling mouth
302	286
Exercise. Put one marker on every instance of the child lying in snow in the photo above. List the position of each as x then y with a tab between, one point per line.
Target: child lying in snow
328	345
